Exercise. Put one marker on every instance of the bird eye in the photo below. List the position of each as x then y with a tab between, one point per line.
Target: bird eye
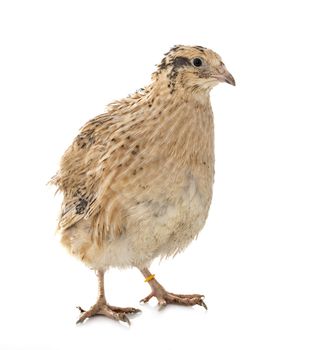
197	62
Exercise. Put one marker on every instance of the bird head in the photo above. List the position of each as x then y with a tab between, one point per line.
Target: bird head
192	67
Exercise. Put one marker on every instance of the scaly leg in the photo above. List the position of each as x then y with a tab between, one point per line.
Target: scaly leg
165	297
102	308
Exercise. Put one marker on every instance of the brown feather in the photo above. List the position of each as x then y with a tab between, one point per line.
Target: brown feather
145	147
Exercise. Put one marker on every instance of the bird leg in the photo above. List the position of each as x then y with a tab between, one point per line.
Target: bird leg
165	297
102	308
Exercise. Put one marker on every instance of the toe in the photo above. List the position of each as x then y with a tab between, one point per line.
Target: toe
162	303
181	299
146	299
126	310
82	317
188	295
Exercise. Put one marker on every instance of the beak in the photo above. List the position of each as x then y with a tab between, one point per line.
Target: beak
229	79
226	77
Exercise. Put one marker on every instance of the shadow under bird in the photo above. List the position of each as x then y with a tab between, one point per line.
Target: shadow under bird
137	180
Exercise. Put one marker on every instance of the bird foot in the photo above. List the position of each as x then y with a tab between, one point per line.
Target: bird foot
163	297
113	312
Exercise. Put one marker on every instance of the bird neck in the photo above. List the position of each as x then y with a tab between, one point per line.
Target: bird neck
178	123
183	122
175	89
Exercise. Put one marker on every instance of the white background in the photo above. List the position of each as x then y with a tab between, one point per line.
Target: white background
61	63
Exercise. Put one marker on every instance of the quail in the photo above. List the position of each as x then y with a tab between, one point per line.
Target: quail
137	180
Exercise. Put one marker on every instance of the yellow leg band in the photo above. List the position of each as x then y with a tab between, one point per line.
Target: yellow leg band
149	278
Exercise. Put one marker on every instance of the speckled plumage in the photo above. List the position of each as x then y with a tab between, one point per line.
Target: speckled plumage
137	180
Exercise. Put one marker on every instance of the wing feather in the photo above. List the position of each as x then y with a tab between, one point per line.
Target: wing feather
85	176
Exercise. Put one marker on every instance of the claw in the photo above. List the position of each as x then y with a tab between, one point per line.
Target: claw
124	318
80	309
203	304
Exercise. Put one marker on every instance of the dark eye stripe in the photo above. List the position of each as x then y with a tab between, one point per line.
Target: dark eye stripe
181	61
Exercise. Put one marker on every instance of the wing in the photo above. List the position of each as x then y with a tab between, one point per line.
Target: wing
87	169
96	169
